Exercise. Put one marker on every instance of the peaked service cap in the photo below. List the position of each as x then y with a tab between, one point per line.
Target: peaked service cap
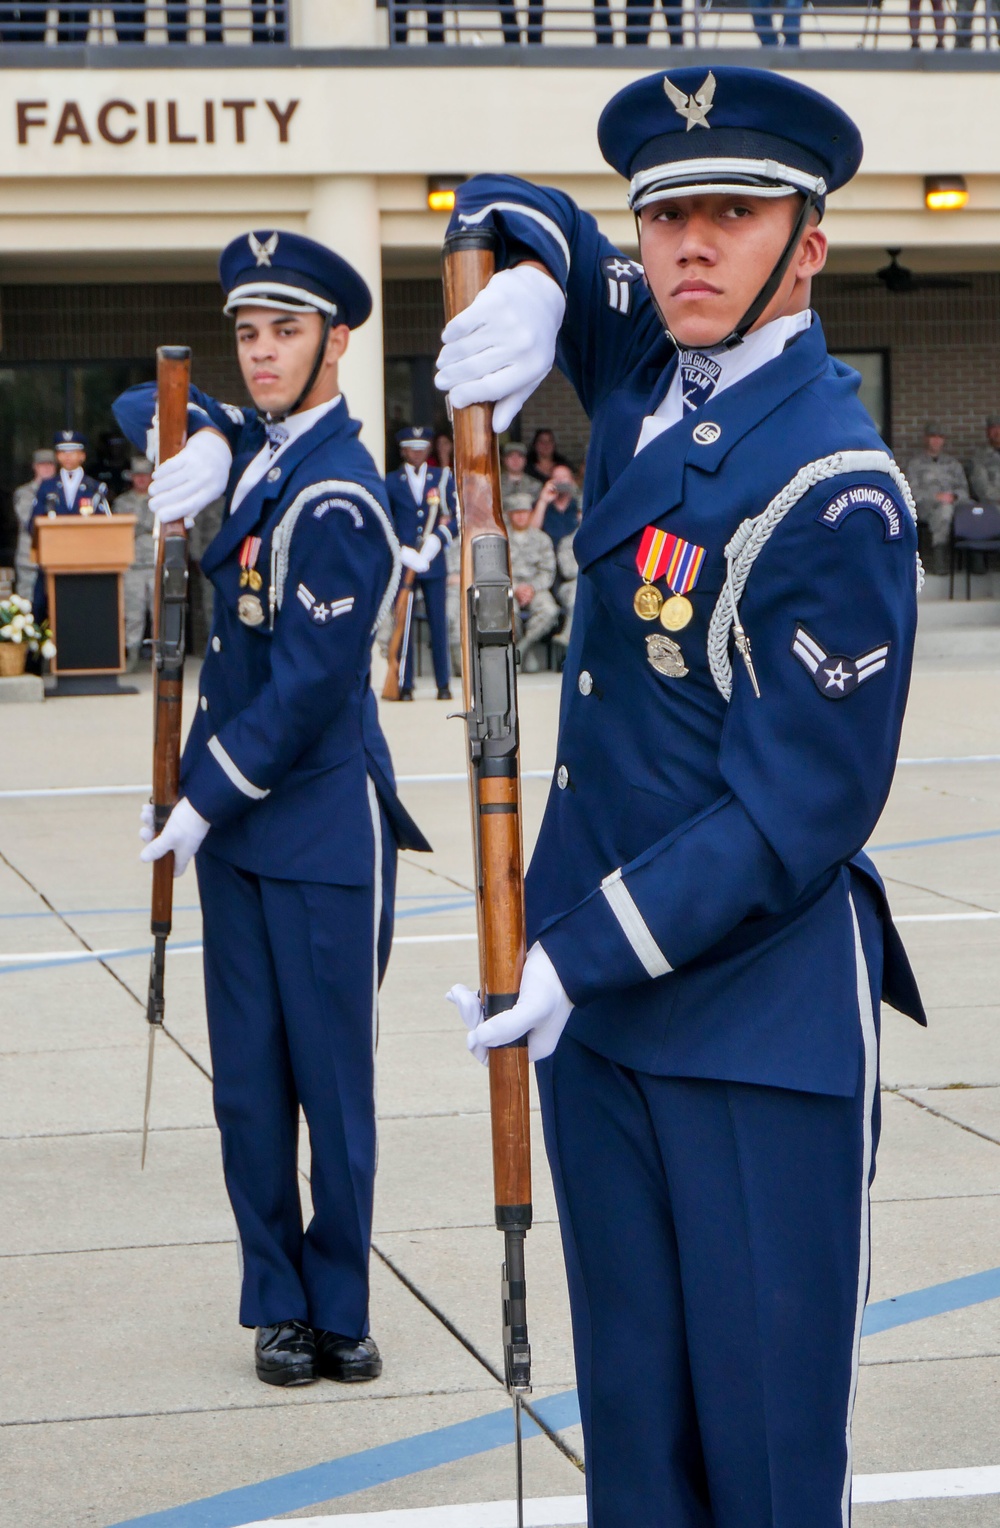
69	440
415	435
727	129
293	274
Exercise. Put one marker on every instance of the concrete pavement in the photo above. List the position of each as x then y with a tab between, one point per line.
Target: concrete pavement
127	1388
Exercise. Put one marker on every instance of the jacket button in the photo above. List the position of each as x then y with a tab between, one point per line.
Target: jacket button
562	777
585	683
203	702
216	645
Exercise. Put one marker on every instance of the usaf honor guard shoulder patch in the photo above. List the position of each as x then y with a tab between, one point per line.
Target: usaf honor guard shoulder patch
835	675
619	275
864	496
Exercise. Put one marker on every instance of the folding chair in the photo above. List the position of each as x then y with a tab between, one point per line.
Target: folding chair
974	528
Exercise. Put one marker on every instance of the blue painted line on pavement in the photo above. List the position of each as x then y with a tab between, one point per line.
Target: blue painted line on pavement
930	843
358	1472
936	1300
462	1440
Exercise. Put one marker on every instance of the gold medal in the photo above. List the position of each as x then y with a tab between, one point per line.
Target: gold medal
677	611
250	610
256	582
244	577
647	602
86	507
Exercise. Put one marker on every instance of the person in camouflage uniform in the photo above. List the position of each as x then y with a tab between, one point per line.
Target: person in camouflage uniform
984	468
514	478
938	481
140	577
43	465
566	588
533	572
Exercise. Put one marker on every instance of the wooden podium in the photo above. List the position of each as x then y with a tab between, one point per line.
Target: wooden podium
82	558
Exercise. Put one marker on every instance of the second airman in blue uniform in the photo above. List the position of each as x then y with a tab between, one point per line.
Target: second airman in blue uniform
288	795
423	504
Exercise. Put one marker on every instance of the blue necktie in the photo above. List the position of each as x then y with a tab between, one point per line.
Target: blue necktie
699	374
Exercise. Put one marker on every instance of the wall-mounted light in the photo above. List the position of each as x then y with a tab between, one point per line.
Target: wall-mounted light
441	192
945	193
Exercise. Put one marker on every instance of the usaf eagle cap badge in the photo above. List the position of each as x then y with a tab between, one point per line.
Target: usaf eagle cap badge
696	107
262	252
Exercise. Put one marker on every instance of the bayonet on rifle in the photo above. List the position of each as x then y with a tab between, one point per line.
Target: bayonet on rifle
489	682
173	373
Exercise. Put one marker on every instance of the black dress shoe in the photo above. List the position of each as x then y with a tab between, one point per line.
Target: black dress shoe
347	1359
444	693
285	1354
406	694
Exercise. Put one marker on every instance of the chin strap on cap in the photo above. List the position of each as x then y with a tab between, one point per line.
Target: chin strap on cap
311	380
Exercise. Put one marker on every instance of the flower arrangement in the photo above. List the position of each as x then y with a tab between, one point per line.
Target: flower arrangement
18	625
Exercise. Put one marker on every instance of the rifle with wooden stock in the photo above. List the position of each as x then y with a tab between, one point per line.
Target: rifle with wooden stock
402	622
489	686
173	375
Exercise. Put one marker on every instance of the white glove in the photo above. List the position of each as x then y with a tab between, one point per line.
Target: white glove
185	483
541	1011
410	557
431	546
184	833
503	344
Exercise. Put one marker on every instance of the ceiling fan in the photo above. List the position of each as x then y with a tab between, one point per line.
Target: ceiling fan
899	280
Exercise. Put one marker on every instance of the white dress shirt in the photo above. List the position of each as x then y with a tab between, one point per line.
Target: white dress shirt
296	425
416	477
71	484
759	347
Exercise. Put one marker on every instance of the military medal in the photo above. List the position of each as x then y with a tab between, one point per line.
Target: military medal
86	507
665	656
249	577
250	610
679	562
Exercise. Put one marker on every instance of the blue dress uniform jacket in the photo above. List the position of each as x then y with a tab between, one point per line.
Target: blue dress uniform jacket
699	882
692	875
412	520
286	760
51	496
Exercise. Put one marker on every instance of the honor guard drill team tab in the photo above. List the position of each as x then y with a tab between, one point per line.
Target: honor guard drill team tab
423	505
708	944
288	799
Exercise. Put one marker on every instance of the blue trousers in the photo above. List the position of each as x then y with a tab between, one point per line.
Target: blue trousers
291	983
716	1242
435	602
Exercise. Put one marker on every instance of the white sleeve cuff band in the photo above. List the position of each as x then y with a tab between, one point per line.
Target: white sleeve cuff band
634	926
235	774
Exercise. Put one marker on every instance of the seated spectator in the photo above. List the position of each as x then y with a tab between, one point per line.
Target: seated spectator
557	511
533	571
938	482
43	466
514	477
543	456
566	588
984	468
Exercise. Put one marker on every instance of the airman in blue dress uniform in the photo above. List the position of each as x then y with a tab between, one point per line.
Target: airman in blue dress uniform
71	492
288	795
708	944
424	511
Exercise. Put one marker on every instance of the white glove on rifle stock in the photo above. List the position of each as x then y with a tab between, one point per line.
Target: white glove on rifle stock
197	475
420	558
541	1011
503	344
184	832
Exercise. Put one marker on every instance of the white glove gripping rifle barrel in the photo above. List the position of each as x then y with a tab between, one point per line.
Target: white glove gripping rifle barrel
489	686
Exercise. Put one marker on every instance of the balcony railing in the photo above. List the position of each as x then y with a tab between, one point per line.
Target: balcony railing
132	21
953	25
900	24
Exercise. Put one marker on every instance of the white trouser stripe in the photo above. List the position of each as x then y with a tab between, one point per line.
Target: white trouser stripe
234	773
634	926
377	923
870	1062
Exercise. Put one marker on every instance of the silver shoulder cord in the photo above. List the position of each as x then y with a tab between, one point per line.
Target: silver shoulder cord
753	535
